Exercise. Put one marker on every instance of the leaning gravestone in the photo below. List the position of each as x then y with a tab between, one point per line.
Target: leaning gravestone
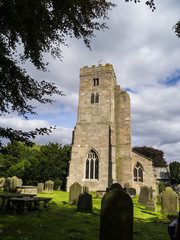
2	181
49	185
144	196
169	201
85	202
74	192
40	187
131	191
116	221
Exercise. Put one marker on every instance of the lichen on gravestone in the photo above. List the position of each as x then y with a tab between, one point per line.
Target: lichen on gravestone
74	192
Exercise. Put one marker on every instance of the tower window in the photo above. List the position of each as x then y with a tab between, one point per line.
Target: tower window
96	81
138	173
97	98
92	166
92	97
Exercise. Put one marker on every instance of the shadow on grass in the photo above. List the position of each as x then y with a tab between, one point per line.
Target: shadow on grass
59	221
153	228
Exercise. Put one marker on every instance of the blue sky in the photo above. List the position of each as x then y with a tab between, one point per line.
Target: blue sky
145	53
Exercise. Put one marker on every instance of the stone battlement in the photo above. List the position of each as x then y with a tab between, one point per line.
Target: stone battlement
88	70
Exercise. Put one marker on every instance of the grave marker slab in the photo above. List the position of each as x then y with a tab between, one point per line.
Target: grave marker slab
40	187
169	201
74	192
49	186
144	196
85	202
116	221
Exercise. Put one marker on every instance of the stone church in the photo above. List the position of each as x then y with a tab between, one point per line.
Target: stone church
101	145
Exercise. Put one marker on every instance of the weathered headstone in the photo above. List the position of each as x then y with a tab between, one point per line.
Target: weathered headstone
85	202
151	205
116	220
7	184
14	183
11	184
49	186
144	196
131	191
169	201
116	186
85	189
40	187
74	192
2	181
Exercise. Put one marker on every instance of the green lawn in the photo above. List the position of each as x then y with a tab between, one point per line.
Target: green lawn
61	221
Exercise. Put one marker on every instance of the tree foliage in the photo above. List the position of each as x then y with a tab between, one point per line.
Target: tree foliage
156	155
39	27
36	163
174	168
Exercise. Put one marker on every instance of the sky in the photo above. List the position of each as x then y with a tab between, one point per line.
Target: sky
145	54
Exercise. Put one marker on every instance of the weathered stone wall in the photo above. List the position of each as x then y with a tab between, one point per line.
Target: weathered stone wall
123	137
149	178
94	128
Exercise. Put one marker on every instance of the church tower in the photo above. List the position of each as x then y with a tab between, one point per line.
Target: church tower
101	147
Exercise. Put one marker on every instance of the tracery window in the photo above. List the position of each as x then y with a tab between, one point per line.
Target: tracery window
138	173
92	165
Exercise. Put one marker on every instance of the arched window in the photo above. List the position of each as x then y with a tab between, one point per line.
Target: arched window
92	165
92	98
97	98
138	173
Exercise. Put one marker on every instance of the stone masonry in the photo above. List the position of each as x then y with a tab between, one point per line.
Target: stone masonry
103	133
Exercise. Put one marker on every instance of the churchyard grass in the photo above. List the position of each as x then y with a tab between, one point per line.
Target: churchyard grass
61	221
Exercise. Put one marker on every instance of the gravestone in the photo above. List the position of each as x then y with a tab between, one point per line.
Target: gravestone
7	184
151	205
11	184
169	201
85	189
2	181
40	187
16	182
25	189
49	185
144	195
116	186
85	202
131	191
74	192
116	221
